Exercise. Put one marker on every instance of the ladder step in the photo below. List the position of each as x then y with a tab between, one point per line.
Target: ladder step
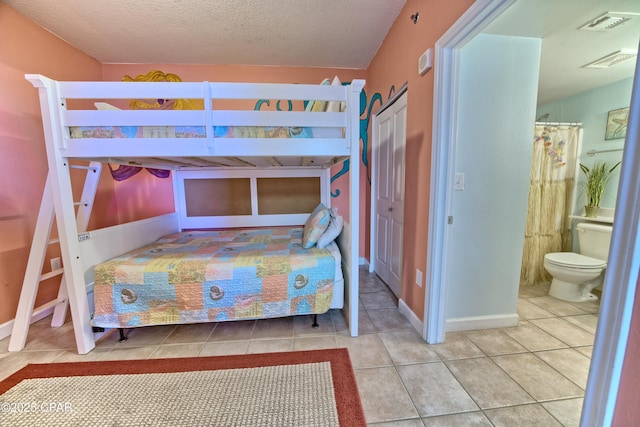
51	274
50	304
81	203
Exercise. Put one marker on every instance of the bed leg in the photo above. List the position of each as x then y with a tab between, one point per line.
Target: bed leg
315	321
122	336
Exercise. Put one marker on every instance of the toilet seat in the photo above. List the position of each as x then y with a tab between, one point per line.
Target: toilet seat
574	260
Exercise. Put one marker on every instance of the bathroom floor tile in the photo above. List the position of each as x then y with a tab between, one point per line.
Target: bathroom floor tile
528	310
475	419
434	390
556	306
592	307
566	411
569	362
487	384
532	291
523	415
566	332
588	322
587	350
540	380
412	422
494	341
533	338
457	346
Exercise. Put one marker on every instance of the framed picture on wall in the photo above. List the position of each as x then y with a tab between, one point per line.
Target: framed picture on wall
617	124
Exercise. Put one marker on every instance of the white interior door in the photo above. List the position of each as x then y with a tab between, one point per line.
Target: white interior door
389	192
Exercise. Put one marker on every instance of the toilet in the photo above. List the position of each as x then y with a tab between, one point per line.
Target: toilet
575	275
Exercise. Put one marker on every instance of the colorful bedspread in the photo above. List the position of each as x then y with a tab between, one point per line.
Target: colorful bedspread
211	276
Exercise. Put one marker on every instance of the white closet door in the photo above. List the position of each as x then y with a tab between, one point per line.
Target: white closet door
389	193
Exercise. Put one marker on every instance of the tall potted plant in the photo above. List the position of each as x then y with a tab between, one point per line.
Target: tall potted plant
597	178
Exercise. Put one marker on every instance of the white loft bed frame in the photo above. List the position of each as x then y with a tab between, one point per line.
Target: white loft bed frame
187	157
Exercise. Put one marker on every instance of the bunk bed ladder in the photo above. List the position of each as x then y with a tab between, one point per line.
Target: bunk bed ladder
41	241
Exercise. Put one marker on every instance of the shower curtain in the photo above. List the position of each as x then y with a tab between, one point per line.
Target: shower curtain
551	189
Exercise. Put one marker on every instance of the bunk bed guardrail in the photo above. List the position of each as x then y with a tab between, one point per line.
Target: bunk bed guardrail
204	140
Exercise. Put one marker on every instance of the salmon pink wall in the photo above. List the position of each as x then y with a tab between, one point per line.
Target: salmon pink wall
627	412
396	63
26	48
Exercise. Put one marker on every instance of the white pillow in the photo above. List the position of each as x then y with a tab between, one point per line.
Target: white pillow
318	105
336	106
336	222
105	106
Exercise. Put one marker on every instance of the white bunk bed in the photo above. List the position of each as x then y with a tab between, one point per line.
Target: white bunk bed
200	154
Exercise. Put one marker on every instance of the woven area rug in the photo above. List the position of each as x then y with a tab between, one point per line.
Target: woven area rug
304	388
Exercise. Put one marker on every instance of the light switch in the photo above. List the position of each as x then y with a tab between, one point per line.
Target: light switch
458	185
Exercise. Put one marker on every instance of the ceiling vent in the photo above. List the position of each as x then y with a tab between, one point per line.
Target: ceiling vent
612	59
607	22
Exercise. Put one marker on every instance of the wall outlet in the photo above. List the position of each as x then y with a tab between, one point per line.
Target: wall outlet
418	277
56	264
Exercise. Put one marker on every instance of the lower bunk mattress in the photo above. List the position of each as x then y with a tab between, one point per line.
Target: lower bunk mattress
215	276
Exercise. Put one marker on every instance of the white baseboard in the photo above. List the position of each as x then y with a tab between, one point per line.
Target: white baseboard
482	322
410	315
7	328
362	261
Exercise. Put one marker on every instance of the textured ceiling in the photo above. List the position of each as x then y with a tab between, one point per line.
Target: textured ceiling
313	33
321	33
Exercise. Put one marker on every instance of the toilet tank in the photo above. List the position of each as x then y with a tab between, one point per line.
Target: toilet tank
594	239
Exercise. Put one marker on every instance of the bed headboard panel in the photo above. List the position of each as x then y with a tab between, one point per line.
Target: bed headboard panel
256	198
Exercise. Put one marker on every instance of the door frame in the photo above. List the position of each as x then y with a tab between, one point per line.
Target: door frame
620	284
375	140
444	136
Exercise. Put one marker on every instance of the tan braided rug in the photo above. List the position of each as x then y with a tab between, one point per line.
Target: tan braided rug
309	388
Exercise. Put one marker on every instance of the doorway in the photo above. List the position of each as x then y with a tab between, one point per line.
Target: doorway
621	280
387	188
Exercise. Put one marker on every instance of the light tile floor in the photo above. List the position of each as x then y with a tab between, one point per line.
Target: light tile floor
532	374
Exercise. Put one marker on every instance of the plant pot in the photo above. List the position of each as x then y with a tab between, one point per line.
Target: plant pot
591	211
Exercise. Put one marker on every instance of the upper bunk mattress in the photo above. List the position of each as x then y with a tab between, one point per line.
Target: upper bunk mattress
211	276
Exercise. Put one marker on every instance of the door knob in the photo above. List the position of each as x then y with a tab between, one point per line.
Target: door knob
390	209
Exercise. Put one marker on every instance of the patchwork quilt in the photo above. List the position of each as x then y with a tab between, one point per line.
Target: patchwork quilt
213	276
